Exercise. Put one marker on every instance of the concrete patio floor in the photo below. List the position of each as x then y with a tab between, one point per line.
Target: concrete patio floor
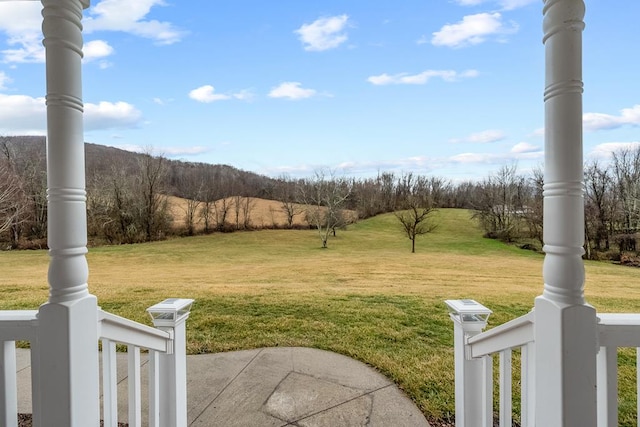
288	386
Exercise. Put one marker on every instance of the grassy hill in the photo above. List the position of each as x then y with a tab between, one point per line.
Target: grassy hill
365	296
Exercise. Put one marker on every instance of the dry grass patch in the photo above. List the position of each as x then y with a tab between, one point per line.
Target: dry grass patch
263	213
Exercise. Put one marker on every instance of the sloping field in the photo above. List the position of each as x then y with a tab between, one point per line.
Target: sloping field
365	296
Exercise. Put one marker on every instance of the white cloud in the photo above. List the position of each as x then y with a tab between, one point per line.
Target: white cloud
520	151
323	33
420	163
525	147
474	158
4	79
21	22
130	17
291	90
421	78
485	136
538	132
605	150
469	2
473	29
27	115
504	4
20	16
96	49
22	114
515	4
598	121
244	95
207	94
111	115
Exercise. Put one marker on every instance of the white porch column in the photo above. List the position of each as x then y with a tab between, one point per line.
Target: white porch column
68	333
565	331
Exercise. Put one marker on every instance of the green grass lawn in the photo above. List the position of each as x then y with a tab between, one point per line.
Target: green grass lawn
365	296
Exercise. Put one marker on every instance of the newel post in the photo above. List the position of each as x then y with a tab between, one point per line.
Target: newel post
171	315
66	361
565	325
473	377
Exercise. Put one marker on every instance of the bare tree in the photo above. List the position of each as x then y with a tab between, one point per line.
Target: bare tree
237	209
626	169
248	204
600	206
33	175
13	204
124	225
190	215
207	212
501	203
414	194
222	207
415	221
154	208
324	196
291	210
285	193
533	208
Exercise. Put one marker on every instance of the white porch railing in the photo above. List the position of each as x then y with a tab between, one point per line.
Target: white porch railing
615	331
474	352
166	363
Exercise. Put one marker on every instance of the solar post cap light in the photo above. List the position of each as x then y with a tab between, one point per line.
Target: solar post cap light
170	311
468	311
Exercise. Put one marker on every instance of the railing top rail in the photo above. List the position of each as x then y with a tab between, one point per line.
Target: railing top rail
18	325
127	331
18	315
619	319
619	330
514	333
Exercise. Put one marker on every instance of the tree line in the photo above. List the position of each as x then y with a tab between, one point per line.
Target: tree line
127	199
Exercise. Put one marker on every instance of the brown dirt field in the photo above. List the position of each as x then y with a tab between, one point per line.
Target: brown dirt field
263	213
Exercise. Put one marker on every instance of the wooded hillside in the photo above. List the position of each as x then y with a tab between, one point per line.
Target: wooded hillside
128	198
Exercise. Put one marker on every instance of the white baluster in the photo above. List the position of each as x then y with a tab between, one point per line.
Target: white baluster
487	395
154	389
109	383
527	389
506	410
608	387
35	384
638	384
8	385
135	404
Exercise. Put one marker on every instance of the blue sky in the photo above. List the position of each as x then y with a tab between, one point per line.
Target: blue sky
451	88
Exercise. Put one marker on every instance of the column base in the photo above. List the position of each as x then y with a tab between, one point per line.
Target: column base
566	349
68	367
